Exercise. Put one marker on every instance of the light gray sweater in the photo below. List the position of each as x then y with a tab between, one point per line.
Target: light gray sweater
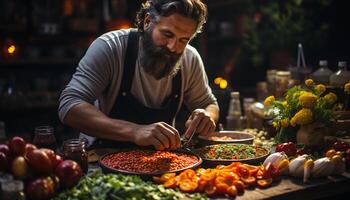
98	77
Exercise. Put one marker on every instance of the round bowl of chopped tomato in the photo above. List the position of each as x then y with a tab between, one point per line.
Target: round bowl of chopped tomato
223	137
224	154
147	163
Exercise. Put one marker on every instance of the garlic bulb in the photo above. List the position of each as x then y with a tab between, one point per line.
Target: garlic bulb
296	166
275	158
322	167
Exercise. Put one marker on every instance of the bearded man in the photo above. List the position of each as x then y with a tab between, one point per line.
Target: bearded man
131	83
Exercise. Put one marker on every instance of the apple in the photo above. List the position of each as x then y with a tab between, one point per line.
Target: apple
3	162
39	161
41	188
69	173
20	168
29	147
17	146
58	159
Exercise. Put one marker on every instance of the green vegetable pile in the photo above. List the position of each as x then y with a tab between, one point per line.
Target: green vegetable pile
97	186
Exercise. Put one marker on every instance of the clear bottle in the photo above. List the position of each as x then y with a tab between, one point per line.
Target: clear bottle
233	118
340	77
322	74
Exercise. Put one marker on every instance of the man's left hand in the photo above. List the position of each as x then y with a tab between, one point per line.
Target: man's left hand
201	121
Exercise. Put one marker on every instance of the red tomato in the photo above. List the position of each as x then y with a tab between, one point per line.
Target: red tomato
69	173
39	162
341	146
288	148
17	146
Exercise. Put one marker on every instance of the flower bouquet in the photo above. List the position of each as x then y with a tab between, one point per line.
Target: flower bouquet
303	106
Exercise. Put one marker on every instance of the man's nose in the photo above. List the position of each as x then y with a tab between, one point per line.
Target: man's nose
171	45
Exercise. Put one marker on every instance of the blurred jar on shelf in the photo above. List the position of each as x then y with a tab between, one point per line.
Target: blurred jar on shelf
74	149
44	137
262	91
322	74
283	79
271	81
340	77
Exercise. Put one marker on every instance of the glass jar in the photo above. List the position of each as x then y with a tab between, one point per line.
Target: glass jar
282	83
44	137
340	77
74	149
233	118
322	74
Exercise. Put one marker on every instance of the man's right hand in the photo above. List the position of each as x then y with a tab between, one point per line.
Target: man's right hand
160	135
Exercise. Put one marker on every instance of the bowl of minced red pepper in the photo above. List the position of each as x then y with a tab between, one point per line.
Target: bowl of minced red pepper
227	153
147	162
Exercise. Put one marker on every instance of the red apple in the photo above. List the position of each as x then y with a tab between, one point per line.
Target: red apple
39	161
69	173
3	162
41	188
29	147
17	146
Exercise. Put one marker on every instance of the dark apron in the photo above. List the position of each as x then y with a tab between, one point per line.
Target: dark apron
128	108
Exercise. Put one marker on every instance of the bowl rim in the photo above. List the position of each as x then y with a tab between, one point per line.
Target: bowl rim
268	151
251	138
160	172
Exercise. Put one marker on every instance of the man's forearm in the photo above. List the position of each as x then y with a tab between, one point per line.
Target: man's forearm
89	120
213	111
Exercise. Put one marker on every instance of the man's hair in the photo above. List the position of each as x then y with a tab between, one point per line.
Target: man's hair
194	9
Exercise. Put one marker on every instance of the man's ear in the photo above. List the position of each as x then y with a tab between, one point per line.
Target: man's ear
146	21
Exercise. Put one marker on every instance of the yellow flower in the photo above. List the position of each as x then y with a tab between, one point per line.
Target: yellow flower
276	125
307	99
284	104
330	98
347	88
303	117
320	88
309	82
285	122
269	100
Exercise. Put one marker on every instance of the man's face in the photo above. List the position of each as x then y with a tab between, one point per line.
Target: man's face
164	42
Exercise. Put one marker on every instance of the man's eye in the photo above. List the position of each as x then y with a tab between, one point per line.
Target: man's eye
168	35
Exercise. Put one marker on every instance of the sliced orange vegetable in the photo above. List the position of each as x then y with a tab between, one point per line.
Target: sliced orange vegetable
167	176
282	164
171	183
239	185
221	188
210	190
243	171
188	186
208	176
202	184
260	174
250	180
232	191
264	183
330	153
158	180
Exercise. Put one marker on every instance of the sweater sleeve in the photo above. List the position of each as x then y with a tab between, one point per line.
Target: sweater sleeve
197	93
90	79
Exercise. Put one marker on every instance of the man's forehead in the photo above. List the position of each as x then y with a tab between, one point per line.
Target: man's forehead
179	23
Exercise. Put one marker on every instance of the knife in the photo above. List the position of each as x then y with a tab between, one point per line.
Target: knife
186	141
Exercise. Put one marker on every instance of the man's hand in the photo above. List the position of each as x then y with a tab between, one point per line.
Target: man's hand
201	121
161	135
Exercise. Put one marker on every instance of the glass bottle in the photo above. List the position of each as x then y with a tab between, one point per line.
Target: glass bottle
340	77
233	118
322	74
74	149
282	83
44	137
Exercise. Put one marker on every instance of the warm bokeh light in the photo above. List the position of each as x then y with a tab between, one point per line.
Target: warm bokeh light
223	84
217	80
11	49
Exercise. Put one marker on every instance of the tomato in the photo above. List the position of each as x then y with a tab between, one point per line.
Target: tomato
69	173
288	148
210	190
17	146
232	191
29	147
39	161
41	188
239	185
341	146
264	183
5	149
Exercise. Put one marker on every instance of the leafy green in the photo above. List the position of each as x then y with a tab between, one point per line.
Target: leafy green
98	186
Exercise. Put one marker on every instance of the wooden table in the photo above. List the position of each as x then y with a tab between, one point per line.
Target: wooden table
292	188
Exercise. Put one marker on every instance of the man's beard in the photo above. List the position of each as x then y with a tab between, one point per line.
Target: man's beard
157	60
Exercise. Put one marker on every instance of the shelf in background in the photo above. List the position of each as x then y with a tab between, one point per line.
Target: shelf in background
40	61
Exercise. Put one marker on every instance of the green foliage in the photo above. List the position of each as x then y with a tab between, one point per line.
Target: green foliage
98	186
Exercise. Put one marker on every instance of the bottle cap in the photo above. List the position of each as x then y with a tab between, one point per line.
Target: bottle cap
323	63
234	94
